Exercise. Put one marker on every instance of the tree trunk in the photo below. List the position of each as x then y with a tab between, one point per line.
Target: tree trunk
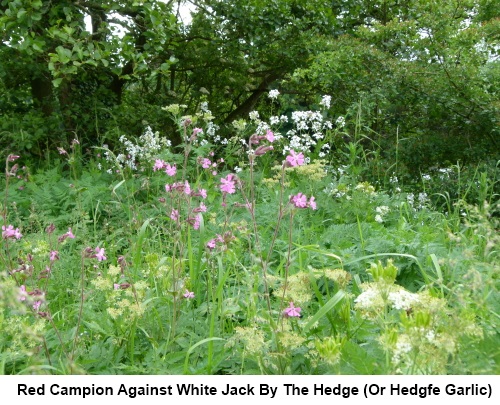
248	105
41	91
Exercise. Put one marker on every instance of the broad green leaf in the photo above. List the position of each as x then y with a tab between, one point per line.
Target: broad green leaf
332	303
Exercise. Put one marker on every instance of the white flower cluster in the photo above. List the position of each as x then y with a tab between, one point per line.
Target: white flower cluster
325	149
402	347
205	114
174	108
445	173
309	127
376	296
366	188
204	107
395	182
340	122
146	149
253	115
211	132
325	101
422	200
275	120
369	299
403	299
273	94
381	212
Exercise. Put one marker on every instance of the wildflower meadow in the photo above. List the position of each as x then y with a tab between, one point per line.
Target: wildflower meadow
254	187
248	255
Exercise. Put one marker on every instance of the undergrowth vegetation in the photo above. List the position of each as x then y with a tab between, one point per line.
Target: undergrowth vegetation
282	249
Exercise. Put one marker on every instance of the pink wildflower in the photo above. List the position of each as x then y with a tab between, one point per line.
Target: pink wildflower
22	293
68	234
197	222
10	232
295	159
205	163
270	136
299	200
159	164
187	188
12	158
100	254
54	255
228	185
211	244
174	215
197	131
36	305
292	311
312	203
116	286
189	294
203	193
170	170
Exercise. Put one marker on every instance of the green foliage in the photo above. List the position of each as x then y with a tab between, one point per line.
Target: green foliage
415	72
419	76
157	223
209	284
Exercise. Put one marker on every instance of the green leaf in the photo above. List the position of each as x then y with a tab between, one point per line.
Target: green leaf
332	303
57	82
37	47
64	54
207	340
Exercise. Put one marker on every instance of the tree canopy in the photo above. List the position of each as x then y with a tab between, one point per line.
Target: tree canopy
425	71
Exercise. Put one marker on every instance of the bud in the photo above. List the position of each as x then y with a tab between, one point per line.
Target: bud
14	170
262	150
51	228
254	139
88	252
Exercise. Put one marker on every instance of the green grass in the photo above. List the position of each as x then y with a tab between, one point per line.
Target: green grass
386	282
